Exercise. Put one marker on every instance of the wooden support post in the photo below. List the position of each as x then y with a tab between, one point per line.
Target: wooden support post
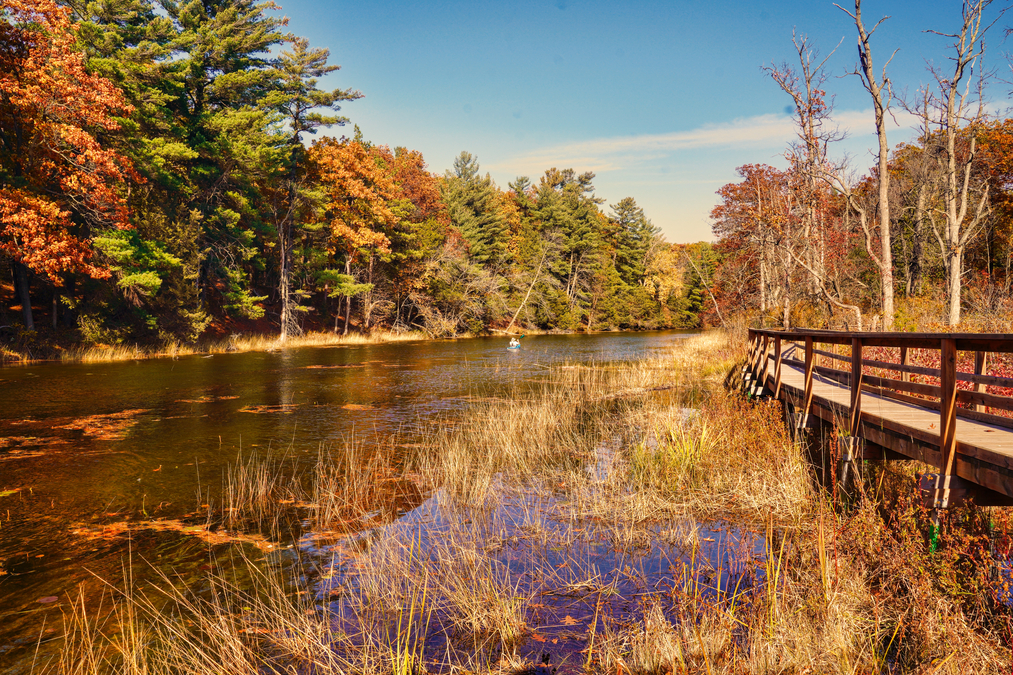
947	423
777	366
980	368
906	377
852	450
754	364
852	443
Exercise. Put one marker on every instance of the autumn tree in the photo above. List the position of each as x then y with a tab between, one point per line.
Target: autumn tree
58	183
358	203
752	222
419	232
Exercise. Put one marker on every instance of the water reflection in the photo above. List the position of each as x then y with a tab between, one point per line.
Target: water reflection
87	444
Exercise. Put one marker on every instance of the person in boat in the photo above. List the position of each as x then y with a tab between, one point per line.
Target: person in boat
514	343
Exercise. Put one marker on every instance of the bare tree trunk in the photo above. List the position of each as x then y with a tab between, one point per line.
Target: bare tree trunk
528	294
876	89
367	298
918	245
21	291
289	324
786	318
284	283
968	47
348	298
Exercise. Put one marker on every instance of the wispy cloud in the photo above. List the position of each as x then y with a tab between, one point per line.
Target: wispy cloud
627	152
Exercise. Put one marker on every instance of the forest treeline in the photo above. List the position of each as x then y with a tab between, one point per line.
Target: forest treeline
160	179
923	240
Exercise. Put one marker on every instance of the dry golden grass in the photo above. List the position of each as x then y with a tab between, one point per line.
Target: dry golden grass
236	343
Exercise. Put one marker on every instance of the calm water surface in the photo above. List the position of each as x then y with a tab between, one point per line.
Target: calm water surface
84	444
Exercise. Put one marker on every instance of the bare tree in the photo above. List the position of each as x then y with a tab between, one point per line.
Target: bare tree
881	92
808	158
956	106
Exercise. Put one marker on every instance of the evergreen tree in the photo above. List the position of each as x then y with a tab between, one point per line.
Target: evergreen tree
634	237
475	210
299	101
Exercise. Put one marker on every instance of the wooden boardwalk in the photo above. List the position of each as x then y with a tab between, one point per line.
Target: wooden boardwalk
885	418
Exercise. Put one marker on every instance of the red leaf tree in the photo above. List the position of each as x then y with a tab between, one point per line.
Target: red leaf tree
57	182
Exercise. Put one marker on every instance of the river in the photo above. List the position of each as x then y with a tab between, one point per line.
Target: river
86	444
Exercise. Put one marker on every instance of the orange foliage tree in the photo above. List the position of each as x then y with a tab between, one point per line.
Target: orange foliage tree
56	180
358	191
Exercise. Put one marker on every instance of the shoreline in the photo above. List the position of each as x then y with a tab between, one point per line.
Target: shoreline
257	342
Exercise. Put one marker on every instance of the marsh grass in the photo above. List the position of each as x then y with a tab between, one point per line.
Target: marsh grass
586	516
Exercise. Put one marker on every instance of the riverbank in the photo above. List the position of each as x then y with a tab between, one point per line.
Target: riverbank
631	517
35	353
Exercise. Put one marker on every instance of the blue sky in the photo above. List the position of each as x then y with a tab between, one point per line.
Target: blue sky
662	100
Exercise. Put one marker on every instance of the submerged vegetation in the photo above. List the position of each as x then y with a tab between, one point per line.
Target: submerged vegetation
612	518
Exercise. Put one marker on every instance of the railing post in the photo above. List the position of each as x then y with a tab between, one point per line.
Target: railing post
777	366
980	368
747	372
756	356
853	442
905	377
856	385
751	339
762	370
947	425
807	397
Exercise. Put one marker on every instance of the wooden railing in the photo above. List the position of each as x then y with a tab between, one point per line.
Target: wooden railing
770	348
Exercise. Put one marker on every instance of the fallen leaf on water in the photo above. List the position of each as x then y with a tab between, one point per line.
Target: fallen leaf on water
112	427
283	408
569	620
202	532
48	599
357	406
8	493
158	469
537	638
351	365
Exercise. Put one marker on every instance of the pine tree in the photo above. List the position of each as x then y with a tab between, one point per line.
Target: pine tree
474	205
299	100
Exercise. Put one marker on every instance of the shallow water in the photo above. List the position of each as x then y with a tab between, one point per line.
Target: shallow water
86	446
